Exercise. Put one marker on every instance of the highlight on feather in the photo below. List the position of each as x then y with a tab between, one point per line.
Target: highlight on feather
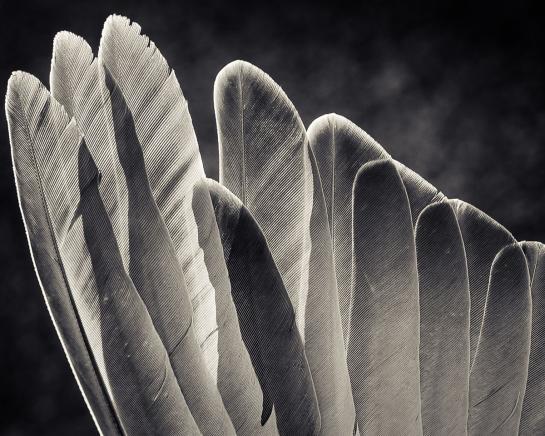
333	291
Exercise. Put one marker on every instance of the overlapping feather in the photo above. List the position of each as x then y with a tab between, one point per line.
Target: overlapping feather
266	161
267	319
384	331
163	127
341	148
498	377
444	321
483	239
133	375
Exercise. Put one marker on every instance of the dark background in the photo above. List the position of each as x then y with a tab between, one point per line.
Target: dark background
454	91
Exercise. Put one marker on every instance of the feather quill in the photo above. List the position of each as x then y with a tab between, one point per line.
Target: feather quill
87	283
267	318
383	340
500	369
444	321
164	130
532	420
153	266
341	148
266	161
483	239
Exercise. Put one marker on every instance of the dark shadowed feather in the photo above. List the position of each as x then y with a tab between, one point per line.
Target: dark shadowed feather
267	318
383	339
444	321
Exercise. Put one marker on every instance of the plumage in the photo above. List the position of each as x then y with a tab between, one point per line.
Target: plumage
532	419
267	318
145	391
163	127
153	266
341	148
237	379
483	239
85	276
384	331
26	99
444	321
266	161
498	377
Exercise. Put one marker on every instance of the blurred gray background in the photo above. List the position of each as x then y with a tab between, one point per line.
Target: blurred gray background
453	90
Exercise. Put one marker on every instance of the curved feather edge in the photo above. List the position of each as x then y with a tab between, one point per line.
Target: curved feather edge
264	161
483	239
267	318
171	155
383	342
341	148
444	321
498	378
532	419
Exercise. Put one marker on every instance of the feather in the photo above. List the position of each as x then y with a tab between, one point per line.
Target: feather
444	321
237	380
483	239
153	266
144	388
499	373
267	318
383	340
266	161
341	148
86	287
532	420
171	156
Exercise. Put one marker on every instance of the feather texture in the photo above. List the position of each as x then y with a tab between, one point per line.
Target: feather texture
341	148
85	277
444	321
164	130
498	377
483	239
383	339
267	318
265	159
532	420
153	266
237	380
